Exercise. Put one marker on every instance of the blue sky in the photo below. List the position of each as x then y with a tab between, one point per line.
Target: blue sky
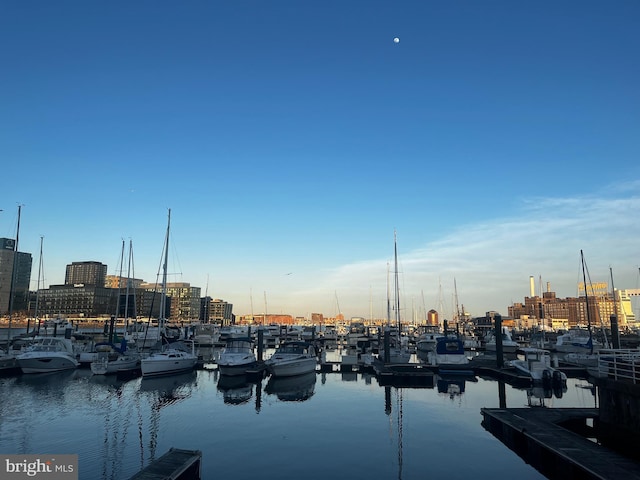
291	138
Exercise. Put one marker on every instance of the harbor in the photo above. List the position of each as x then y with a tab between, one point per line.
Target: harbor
334	411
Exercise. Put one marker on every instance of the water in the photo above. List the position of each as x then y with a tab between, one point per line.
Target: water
315	427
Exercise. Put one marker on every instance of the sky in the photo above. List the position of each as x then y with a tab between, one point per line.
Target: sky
293	139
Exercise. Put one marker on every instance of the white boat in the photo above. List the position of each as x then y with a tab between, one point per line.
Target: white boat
48	354
7	361
449	356
292	358
168	361
427	340
537	364
171	359
509	345
237	356
577	340
116	363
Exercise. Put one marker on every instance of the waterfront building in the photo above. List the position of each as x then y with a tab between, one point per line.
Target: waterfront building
185	300
15	268
215	310
88	273
550	312
116	281
76	300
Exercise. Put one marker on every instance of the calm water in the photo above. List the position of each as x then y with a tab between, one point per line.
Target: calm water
316	427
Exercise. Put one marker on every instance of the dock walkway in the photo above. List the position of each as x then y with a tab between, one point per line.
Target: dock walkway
176	464
537	435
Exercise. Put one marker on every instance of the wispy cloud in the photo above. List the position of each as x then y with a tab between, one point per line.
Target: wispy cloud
491	261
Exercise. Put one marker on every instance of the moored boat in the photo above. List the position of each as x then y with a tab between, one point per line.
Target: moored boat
292	358
48	354
237	356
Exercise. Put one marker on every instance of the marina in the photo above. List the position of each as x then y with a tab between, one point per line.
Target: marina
391	419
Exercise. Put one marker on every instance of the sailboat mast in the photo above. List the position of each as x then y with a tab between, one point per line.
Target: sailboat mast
163	297
35	312
586	299
388	300
396	286
12	288
126	300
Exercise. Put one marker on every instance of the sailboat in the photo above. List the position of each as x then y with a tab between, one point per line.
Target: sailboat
398	350
169	360
118	359
578	344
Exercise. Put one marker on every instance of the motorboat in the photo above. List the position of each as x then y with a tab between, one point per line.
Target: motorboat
449	356
537	364
237	356
116	363
577	340
426	341
509	345
292	358
48	354
169	361
118	360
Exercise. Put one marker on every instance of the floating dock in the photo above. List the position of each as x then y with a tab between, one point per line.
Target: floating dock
556	442
176	464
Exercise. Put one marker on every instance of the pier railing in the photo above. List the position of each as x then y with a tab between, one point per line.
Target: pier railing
619	364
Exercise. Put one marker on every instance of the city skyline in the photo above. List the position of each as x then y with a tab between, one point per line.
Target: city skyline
292	140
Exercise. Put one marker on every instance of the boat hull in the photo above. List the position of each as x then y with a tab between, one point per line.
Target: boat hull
105	367
289	368
235	369
167	363
42	364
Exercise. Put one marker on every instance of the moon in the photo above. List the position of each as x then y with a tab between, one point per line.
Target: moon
396	40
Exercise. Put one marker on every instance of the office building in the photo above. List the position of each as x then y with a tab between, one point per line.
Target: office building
15	271
87	273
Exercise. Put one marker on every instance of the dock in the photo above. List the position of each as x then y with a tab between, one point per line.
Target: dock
556	442
176	464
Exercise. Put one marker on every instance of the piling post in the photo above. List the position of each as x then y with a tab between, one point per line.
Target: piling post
387	346
260	344
615	333
497	318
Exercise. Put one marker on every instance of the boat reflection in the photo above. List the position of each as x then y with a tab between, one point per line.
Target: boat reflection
453	385
236	389
169	389
538	395
292	389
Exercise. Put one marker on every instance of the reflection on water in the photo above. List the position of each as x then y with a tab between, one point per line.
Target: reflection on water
292	389
117	425
236	389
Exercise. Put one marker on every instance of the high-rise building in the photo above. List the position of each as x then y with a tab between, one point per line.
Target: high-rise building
87	273
185	300
15	272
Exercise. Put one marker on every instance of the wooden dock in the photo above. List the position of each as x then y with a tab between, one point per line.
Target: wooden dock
546	438
176	464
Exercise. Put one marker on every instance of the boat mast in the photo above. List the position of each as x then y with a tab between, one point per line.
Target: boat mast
586	299
163	289
126	301
396	285
35	312
13	279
